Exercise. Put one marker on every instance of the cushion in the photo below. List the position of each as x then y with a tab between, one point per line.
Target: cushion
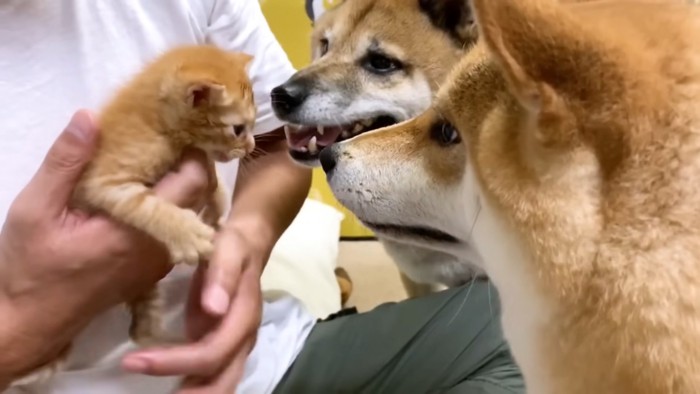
303	261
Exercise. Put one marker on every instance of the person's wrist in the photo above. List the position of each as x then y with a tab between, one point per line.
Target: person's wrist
257	231
6	356
32	334
16	345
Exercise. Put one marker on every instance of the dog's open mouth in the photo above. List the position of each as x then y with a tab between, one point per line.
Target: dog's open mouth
306	142
412	231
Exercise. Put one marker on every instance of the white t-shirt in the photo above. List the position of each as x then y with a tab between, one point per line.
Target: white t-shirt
60	55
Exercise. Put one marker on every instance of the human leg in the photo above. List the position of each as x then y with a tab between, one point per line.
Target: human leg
449	341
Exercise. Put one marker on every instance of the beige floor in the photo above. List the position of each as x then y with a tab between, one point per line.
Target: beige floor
374	275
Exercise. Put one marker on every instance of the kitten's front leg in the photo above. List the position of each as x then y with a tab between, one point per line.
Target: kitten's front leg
187	238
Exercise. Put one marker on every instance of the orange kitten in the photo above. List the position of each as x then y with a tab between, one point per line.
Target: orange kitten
196	96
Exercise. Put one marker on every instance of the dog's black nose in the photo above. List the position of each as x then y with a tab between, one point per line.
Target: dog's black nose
287	97
328	159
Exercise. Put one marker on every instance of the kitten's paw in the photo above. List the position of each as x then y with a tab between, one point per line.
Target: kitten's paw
194	243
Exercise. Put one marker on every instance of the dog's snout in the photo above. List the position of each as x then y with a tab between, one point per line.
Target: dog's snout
328	159
288	97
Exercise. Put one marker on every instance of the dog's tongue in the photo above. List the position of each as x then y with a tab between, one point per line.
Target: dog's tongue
299	137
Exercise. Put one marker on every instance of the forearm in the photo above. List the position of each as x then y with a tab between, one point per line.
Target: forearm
270	191
22	350
9	354
27	340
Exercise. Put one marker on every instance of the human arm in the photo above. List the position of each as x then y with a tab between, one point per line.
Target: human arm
48	250
270	191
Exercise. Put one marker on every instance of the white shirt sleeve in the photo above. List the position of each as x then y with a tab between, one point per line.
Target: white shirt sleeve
239	25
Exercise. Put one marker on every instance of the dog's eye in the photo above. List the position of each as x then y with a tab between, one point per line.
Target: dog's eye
445	134
381	64
323	46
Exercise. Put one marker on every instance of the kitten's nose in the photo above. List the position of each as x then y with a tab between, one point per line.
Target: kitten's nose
288	97
239	129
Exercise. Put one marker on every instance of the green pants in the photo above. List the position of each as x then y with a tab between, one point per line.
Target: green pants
448	342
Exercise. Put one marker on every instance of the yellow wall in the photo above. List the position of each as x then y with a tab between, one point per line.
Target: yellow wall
292	27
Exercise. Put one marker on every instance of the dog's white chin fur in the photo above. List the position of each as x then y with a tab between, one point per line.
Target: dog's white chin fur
404	194
333	107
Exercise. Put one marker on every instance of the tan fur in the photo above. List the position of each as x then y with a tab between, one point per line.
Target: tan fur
396	24
191	96
581	123
427	40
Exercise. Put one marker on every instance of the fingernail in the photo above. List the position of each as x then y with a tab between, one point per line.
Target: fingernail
81	126
216	300
136	364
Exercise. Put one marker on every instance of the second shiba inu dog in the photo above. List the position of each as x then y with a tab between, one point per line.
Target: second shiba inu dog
565	148
378	62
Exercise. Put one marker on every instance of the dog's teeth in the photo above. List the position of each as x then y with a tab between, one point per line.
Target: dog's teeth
357	128
319	130
313	148
367	122
303	149
345	134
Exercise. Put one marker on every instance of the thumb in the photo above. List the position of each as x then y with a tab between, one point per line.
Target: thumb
52	185
223	274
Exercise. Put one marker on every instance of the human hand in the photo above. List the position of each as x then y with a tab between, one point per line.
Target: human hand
59	267
222	324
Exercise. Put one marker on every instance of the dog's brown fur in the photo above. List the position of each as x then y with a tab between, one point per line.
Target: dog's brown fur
427	37
582	125
413	32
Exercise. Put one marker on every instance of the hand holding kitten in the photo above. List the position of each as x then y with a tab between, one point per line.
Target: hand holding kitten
47	251
196	96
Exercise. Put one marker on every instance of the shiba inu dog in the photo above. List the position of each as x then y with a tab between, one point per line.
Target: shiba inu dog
563	150
378	62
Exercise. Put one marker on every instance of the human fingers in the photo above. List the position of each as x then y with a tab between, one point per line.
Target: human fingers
183	186
214	351
51	188
223	272
223	383
197	322
186	185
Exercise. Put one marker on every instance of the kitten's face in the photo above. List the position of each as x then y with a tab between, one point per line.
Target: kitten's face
219	106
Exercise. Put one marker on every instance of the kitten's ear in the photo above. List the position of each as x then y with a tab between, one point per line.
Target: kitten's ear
205	93
452	16
245	59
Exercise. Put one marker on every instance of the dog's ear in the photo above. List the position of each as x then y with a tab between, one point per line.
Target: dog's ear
545	57
312	8
453	16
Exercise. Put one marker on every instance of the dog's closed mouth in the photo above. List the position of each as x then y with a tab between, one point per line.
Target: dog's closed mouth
413	231
306	142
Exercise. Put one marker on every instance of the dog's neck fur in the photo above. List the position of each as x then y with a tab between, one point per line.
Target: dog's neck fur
595	189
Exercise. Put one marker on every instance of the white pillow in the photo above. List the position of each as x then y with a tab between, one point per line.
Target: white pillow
302	262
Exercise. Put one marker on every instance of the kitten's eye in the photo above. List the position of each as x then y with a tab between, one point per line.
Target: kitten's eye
445	134
238	129
323	46
381	64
